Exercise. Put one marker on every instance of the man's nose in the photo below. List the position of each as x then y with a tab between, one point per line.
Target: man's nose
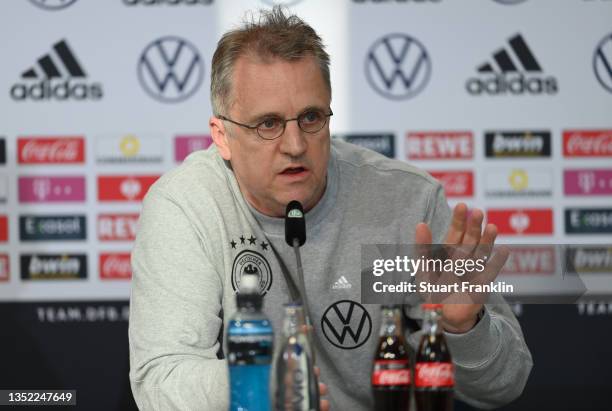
293	141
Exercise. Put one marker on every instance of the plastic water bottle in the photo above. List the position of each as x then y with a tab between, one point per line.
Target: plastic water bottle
296	384
249	339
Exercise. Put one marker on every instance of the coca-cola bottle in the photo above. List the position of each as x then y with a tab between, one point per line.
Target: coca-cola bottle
434	372
391	370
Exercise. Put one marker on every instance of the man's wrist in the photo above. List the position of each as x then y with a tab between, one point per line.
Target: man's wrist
466	326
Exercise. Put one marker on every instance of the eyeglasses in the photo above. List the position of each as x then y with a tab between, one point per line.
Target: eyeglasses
272	127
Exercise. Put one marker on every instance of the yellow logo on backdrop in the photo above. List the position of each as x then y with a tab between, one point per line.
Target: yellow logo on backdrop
129	145
518	180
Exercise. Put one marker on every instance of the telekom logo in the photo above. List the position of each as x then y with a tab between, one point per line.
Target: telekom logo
588	182
51	189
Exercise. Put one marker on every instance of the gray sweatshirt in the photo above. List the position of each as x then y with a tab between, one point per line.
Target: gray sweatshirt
197	235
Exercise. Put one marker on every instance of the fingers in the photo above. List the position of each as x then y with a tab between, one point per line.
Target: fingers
490	232
458	224
474	228
323	389
324	405
423	234
317	371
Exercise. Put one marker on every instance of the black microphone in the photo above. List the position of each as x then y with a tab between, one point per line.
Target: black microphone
295	224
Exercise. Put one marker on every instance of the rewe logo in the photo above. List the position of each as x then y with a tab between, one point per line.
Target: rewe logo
587	143
50	150
522	222
530	260
124	188
398	66
346	318
447	145
170	69
115	266
529	143
513	71
53	266
56	76
117	227
456	183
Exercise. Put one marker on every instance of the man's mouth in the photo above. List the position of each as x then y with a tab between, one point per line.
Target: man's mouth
293	170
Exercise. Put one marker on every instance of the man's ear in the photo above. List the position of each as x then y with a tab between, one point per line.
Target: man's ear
220	137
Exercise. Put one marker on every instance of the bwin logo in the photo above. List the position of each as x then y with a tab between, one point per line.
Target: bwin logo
602	62
513	70
57	75
170	69
52	4
397	66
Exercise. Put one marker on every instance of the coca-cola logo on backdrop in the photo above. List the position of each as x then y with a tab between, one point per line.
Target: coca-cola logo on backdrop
115	266
587	143
51	150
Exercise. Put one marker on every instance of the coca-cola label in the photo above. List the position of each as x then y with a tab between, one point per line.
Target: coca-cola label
3	228
51	150
124	188
587	143
456	183
187	144
115	266
43	189
434	374
447	145
117	227
391	373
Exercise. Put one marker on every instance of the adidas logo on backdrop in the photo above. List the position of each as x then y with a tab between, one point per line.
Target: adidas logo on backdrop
57	75
513	70
341	283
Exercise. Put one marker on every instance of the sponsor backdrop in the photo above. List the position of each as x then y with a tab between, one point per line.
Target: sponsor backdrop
503	104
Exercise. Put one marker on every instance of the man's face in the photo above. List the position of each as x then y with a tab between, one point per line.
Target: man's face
293	166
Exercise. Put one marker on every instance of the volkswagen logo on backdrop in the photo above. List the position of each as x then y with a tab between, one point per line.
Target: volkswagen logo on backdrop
170	69
602	62
510	1
397	66
282	2
52	4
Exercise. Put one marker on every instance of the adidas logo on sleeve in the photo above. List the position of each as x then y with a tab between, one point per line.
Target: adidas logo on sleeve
341	283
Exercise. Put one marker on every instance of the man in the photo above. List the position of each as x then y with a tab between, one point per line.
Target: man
219	214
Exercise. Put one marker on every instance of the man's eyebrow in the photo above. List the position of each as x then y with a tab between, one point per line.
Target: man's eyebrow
260	117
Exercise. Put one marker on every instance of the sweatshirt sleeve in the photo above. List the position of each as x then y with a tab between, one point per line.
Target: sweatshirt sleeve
175	314
492	361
